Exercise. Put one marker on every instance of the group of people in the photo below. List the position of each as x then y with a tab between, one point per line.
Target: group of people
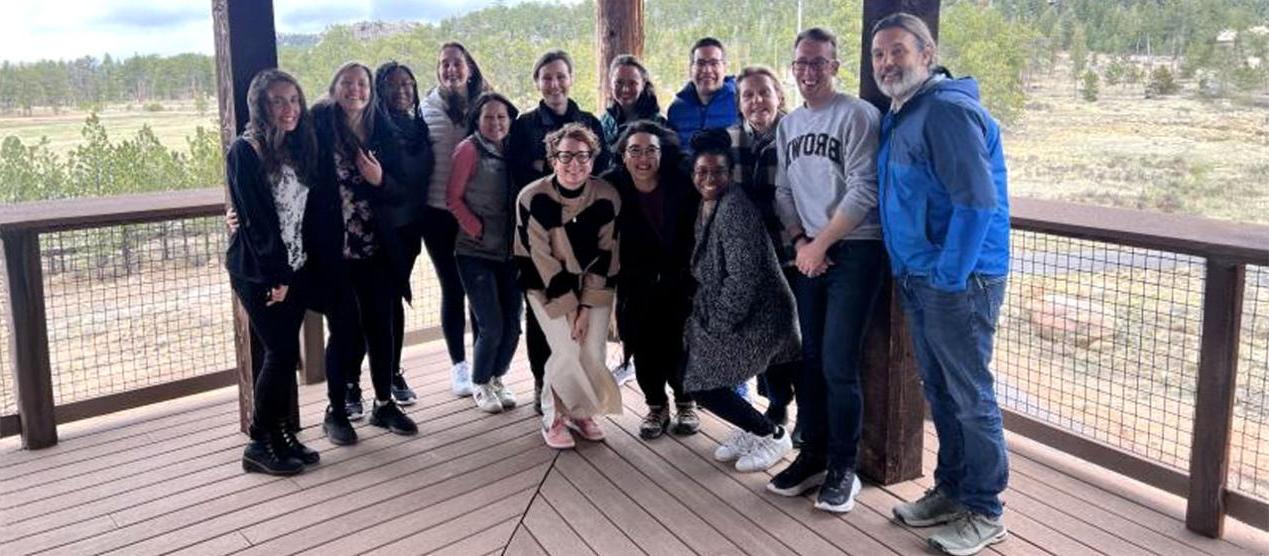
730	239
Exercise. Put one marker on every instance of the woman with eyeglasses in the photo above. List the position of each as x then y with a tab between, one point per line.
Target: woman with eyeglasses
482	199
446	109
743	318
761	100
566	246
553	76
654	289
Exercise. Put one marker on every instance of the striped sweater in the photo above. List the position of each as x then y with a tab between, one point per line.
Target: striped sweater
566	244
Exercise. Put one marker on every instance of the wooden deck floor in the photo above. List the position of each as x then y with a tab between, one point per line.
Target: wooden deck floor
167	478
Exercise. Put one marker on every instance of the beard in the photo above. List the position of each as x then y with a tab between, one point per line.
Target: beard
909	81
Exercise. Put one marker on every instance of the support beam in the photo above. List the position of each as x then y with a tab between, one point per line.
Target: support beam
618	30
28	339
1214	399
245	44
894	405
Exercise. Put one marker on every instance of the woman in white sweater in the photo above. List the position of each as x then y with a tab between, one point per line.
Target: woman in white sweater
458	82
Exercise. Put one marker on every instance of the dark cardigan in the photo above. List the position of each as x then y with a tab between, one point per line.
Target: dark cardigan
256	252
655	285
386	147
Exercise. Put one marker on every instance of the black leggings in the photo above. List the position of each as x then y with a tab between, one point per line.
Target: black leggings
360	321
277	329
730	407
439	233
409	237
535	343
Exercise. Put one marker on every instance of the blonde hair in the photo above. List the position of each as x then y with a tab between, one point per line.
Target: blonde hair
574	131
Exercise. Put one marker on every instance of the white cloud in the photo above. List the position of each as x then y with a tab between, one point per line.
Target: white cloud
68	29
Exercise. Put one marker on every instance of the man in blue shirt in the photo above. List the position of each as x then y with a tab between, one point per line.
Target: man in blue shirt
945	221
709	99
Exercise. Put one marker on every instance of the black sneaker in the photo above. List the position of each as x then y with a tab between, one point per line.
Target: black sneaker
401	392
337	428
301	452
389	416
270	456
805	473
352	403
837	494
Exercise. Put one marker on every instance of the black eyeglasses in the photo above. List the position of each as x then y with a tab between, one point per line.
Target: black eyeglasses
817	64
582	157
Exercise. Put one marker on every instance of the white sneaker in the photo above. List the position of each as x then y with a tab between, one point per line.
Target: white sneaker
486	398
765	451
505	396
624	372
734	446
460	379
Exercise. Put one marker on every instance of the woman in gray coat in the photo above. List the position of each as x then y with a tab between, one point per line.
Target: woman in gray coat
743	318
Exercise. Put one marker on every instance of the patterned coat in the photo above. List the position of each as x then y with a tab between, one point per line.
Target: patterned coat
743	316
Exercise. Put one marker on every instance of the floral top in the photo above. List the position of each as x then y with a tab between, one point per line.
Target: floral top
359	224
290	196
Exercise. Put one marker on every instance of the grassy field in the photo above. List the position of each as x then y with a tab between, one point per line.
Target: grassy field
172	125
1175	154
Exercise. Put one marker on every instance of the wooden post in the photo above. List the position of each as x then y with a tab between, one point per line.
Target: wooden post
894	405
1214	400
312	349
245	44
618	30
28	344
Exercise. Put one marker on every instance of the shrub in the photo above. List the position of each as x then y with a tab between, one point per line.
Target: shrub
1089	91
153	107
1161	83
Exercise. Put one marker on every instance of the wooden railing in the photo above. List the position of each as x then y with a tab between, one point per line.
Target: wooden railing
1227	248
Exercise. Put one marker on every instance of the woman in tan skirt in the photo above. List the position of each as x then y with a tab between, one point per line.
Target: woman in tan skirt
566	245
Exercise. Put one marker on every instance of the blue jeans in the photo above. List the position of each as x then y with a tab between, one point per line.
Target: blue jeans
833	311
952	335
495	298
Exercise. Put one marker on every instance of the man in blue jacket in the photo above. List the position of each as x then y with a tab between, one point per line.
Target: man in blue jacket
945	221
709	99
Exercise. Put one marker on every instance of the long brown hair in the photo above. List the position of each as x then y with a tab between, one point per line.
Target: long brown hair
276	147
476	83
346	142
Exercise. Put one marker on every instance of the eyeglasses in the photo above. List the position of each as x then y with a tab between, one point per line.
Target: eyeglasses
816	65
711	173
582	157
638	152
707	63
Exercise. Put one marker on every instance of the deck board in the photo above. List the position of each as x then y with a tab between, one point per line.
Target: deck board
167	478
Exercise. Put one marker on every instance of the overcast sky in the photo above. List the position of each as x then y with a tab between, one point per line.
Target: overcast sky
67	29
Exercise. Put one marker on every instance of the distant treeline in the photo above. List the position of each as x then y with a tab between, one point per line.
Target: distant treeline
90	82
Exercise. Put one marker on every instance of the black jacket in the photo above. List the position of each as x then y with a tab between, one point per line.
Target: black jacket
529	130
387	150
655	285
406	196
256	252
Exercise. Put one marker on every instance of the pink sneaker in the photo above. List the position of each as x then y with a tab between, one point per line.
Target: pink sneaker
587	427
558	436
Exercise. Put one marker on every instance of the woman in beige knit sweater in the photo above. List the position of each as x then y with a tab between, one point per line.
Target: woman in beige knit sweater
566	245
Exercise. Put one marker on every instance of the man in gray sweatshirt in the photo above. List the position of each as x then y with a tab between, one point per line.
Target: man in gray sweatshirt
826	198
